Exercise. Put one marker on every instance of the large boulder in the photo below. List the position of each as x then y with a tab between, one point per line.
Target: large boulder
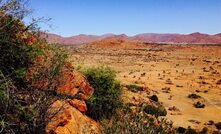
62	118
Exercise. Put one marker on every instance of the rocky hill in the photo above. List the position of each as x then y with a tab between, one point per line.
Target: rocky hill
193	38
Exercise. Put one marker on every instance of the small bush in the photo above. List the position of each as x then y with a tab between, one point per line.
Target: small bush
189	130
194	96
134	88
154	98
218	125
181	130
106	97
157	111
199	105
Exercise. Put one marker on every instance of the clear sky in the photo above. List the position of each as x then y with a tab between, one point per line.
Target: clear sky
72	17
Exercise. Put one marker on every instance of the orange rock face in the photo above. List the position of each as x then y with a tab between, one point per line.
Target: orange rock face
78	104
65	119
74	83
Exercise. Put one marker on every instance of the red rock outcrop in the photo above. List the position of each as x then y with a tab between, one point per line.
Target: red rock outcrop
74	83
65	119
68	82
63	116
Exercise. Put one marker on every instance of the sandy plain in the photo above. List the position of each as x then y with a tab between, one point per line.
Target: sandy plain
172	72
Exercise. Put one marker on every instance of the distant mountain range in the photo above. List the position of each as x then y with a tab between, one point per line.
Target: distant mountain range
194	38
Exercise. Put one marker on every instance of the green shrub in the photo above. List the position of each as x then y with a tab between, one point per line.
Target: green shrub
127	122
15	56
106	97
22	108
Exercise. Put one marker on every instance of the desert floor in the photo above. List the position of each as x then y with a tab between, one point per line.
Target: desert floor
172	72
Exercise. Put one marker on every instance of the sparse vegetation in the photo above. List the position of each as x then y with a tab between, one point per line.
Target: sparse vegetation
125	121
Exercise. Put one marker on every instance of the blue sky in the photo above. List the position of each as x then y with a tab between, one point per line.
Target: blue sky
72	17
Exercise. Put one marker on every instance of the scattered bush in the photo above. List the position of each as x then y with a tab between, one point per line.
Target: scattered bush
157	111
205	130
189	130
181	130
199	105
194	96
134	88
218	125
106	97
166	90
